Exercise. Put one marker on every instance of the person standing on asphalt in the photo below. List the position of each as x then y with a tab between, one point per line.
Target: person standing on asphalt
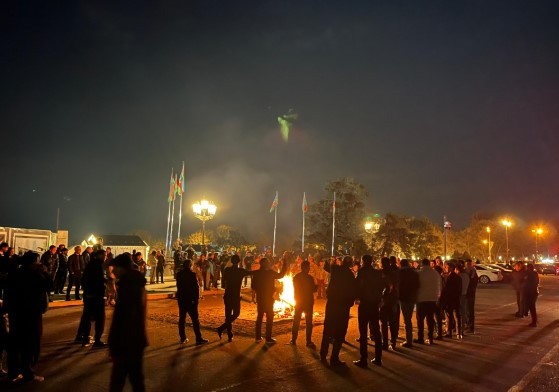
49	260
264	285
531	283
127	336
93	283
472	288
341	294
450	298
232	279
160	269
517	280
304	289
28	287
461	271
187	295
371	286
75	270
62	271
428	294
409	284
390	309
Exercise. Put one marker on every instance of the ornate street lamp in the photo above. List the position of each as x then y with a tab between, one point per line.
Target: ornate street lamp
204	210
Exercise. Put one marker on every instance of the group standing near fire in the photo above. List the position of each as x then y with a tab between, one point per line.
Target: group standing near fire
441	293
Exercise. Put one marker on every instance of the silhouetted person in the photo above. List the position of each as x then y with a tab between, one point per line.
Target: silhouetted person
62	272
188	294
93	282
160	268
264	285
531	283
76	267
371	286
50	262
390	308
341	294
304	289
127	337
26	300
472	289
409	284
428	294
232	280
518	276
450	298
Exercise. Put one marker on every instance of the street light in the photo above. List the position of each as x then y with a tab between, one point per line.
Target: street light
537	231
507	223
488	230
368	227
204	210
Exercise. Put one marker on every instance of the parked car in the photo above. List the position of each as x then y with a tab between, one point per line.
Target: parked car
487	274
504	271
546	269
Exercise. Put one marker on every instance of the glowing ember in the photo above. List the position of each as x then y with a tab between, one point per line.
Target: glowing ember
285	305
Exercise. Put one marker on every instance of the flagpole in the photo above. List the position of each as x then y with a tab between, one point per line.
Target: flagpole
275	225
172	220
303	236
168	219
333	222
180	207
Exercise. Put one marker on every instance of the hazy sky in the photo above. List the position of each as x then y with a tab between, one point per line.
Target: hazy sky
438	107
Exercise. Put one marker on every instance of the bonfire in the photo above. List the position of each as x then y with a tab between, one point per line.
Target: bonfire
284	306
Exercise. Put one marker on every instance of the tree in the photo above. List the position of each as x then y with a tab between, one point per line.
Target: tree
149	238
228	236
350	213
196	237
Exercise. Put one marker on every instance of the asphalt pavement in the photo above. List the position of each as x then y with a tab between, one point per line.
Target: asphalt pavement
503	355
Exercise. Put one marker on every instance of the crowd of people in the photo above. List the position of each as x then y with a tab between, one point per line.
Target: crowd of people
442	294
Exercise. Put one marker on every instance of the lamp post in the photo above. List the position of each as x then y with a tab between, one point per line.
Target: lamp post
204	210
537	231
488	230
507	223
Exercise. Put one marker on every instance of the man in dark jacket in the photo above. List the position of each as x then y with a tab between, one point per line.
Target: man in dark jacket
517	280
409	284
188	293
127	337
75	270
341	294
50	263
304	289
530	293
450	299
472	288
93	282
390	309
263	284
26	302
232	279
62	272
371	286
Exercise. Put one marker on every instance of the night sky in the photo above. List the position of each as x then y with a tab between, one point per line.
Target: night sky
437	107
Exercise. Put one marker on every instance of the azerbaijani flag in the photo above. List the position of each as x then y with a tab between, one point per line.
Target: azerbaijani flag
180	183
172	190
274	203
305	206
